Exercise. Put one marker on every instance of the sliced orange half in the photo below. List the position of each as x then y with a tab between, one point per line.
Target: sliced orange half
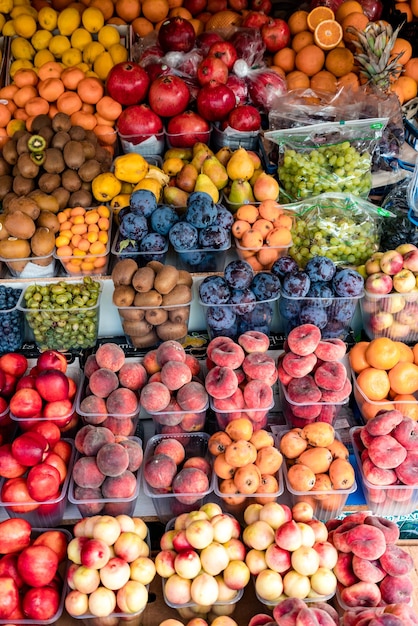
318	15
328	34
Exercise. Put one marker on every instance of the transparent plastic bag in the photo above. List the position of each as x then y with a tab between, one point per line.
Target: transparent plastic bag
343	227
328	157
412	196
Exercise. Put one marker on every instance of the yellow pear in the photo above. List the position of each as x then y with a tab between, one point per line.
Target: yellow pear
204	183
240	166
216	171
224	154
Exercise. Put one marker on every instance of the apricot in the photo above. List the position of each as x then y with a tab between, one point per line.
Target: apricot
317	459
230	492
247	478
218	442
292	444
262	438
240	453
264	226
341	474
221	468
270	210
239	227
319	434
252	239
241	428
322	483
268	485
338	450
279	236
269	460
248	213
300	477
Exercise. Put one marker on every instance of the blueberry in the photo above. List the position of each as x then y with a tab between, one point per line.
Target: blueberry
214	290
343	310
224	217
290	309
163	218
144	200
11	320
348	282
239	274
284	265
313	315
183	236
214	236
221	318
321	290
153	242
296	284
266	286
133	226
320	268
244	299
201	209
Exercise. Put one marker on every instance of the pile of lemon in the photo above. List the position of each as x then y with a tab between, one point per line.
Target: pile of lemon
71	38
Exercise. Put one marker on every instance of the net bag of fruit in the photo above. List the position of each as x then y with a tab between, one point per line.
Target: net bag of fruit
342	227
327	157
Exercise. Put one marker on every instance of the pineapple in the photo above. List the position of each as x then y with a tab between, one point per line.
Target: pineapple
373	50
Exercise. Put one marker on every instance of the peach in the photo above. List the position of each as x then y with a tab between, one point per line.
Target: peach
102	382
331	349
254	341
304	339
383	422
189	485
386	452
89	493
339	535
228	354
86	472
122	486
175	374
407	471
406	433
221	382
135	453
389	529
376	475
110	356
367	542
155	397
192	396
119	425
133	376
112	459
343	569
286	611
170	350
337	396
361	594
396	589
298	366
282	375
259	365
172	448
95	438
94	409
90	365
331	375
159	471
122	401
81	435
368	571
193	422
303	390
200	463
395	561
258	394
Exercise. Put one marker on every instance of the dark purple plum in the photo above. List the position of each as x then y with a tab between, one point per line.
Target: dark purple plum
266	286
343	310
143	200
290	309
153	242
201	209
320	268
133	226
321	290
214	290
239	274
214	236
313	315
258	319
221	317
348	283
334	329
284	265
183	236
224	217
163	218
244	299
296	284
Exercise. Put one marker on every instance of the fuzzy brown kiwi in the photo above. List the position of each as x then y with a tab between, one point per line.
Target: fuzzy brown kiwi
13	248
4	234
49	220
26	205
54	161
92	137
123	271
60	139
39	122
137	328
85	185
185	278
62	195
132	313
179	315
171	330
143	279
77	133
45	201
47	133
89	170
166	279
23	186
61	121
80	198
22	143
7	199
26	166
180	294
70	180
155	265
145	341
42	242
156	316
123	295
48	182
149	298
10	153
73	154
4	167
89	149
6	185
19	225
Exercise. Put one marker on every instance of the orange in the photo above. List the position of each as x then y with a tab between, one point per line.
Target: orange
410	68
407	404
318	15
128	10
298	22
370	409
374	383
328	34
403	378
141	26
347	7
349	80
24	94
297	80
52	69
414	7
155	10
382	353
69	102
339	61
37	106
90	89
404	7
51	88
324	81
105	6
108	108
285	58
5	115
178	12
310	60
71	76
8	91
403	47
25	77
356	20
405	352
406	88
83	119
302	39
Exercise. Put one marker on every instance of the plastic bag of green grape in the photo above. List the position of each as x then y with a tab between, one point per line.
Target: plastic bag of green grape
341	226
326	157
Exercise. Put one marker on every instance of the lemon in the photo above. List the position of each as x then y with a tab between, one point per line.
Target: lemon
103	63
118	53
58	45
8	29
42	57
20	64
108	35
21	3
22	48
47	18
25	26
6	6
23	10
71	57
81	38
68	20
41	39
93	19
91	51
2	21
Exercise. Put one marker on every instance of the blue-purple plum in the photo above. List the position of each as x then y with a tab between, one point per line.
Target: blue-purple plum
348	283
239	274
296	284
214	290
266	286
183	236
320	268
244	299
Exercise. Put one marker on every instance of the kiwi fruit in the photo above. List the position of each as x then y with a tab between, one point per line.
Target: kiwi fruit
143	279
123	272
26	205
60	139
156	316
22	143
4	234
89	170
7	199
82	197
149	298
91	137
123	295
77	133
48	182
181	294
37	143
47	133
70	180
39	122
19	225
54	161
171	330
166	279
6	185
49	220
4	167
144	341
61	121
15	248
89	149
23	186
45	201
26	166
74	154
62	196
42	242
10	153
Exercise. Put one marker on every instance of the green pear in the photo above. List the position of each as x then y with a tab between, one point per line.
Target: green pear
175	196
240	165
216	172
186	177
241	192
204	183
200	155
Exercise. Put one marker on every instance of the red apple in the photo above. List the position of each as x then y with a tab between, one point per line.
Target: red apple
41	603
43	482
138	123
215	101
186	129
224	50
212	68
30	448
245	118
37	565
176	34
26	403
14	364
52	385
127	83
168	96
9	597
51	360
14	535
275	34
